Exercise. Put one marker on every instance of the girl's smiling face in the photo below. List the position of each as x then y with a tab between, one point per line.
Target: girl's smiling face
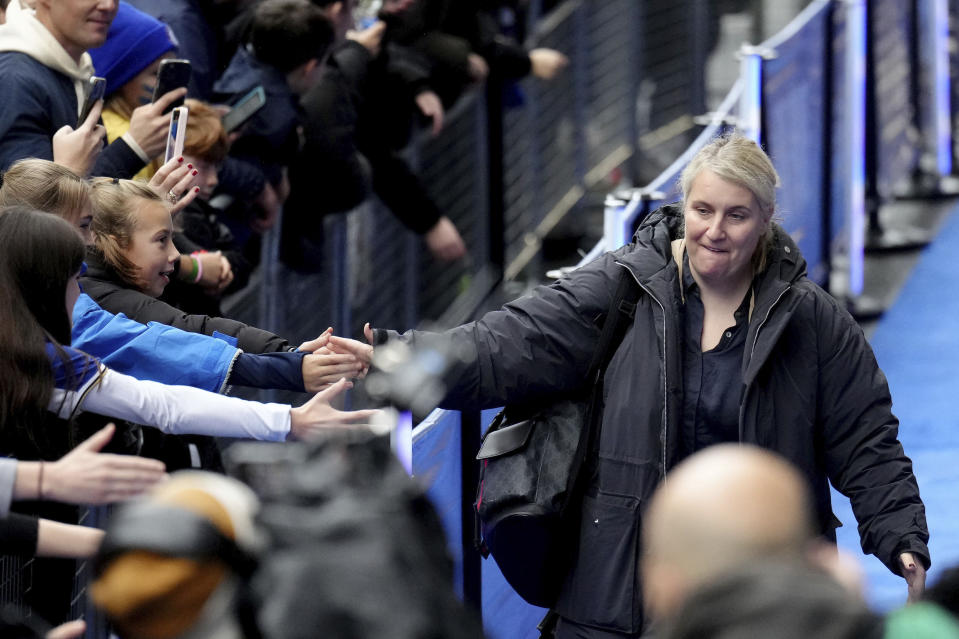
151	247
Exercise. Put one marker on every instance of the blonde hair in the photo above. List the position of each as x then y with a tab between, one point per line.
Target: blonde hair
45	186
115	219
737	159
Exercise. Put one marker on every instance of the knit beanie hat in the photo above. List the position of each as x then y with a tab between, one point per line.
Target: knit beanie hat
134	42
154	596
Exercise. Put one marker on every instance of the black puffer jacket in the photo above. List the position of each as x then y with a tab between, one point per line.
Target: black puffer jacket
812	392
106	288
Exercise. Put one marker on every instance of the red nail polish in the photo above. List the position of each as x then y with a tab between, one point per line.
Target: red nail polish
194	173
196	189
189	166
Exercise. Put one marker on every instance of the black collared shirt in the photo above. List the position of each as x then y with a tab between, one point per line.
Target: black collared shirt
712	381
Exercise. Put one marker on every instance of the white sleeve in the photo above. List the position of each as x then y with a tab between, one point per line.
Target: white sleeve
179	410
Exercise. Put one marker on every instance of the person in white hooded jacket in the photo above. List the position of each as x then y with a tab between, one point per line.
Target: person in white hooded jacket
46	70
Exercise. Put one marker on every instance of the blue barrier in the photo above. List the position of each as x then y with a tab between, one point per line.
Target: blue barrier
794	134
441	474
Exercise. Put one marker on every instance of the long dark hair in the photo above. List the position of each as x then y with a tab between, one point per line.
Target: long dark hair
39	253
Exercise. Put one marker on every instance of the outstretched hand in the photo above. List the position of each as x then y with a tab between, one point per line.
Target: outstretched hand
321	369
87	476
317	415
915	575
333	357
312	345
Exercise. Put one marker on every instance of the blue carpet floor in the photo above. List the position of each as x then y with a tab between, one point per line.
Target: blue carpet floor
917	346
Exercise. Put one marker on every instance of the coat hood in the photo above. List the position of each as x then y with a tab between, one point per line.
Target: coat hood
23	33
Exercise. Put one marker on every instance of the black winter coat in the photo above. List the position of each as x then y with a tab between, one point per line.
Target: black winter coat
105	287
812	392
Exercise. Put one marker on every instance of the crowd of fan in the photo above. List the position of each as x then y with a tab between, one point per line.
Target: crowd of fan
155	242
112	266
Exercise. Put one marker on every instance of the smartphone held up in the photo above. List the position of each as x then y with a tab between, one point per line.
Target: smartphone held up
244	109
172	74
177	134
96	89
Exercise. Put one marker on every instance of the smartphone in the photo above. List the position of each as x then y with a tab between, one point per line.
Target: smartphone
171	75
244	109
177	134
95	91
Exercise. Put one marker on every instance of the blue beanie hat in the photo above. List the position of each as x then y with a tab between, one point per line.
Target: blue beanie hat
134	42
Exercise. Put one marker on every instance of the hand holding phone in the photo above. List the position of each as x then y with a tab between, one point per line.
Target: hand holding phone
171	75
177	135
77	149
244	109
96	88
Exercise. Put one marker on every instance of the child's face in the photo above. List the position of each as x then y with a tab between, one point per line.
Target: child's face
139	90
151	247
209	175
82	221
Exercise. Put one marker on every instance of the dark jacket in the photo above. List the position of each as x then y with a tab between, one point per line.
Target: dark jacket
271	137
812	392
356	117
447	31
106	288
37	102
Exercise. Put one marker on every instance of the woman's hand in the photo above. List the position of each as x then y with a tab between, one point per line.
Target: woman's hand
149	125
176	181
317	415
77	149
915	575
362	353
87	476
368	333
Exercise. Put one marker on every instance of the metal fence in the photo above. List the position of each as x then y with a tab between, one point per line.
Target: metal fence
507	176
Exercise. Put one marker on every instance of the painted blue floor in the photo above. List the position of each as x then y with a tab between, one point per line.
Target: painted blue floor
917	345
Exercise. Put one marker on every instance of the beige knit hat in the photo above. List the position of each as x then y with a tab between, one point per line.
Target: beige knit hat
148	595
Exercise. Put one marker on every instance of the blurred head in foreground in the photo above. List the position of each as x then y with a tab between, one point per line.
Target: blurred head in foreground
171	564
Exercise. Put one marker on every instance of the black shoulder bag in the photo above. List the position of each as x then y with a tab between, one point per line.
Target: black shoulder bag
531	476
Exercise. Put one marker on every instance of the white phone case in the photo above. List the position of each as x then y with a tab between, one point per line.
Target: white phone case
177	135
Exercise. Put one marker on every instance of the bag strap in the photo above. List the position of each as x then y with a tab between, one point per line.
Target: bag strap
621	311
